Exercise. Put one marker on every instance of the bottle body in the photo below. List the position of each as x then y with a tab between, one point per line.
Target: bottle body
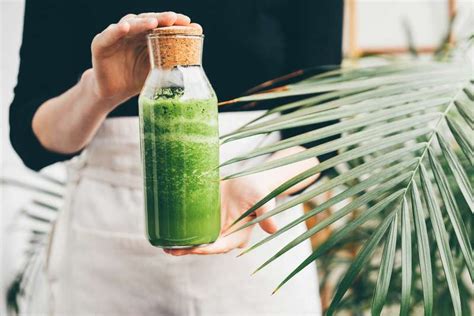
180	155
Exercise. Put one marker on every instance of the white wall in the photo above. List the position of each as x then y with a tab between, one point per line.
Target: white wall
380	22
10	35
11	13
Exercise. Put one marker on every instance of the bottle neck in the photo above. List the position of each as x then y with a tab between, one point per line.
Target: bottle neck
169	51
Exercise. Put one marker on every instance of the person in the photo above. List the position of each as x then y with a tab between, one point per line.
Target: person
75	101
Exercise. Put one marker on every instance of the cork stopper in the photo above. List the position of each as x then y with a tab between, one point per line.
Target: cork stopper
175	46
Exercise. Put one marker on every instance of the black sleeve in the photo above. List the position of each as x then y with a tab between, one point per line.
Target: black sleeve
47	69
315	39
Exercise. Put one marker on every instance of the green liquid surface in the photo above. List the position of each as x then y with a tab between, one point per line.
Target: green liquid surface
180	152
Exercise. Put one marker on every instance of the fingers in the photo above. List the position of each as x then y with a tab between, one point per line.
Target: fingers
133	24
198	26
182	19
140	25
220	246
128	25
128	17
269	224
108	37
168	18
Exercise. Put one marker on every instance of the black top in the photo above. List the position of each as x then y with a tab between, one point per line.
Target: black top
263	39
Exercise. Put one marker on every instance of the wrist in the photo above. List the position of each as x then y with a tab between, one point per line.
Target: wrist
97	103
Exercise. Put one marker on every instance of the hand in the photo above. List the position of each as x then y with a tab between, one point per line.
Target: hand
119	68
119	55
237	196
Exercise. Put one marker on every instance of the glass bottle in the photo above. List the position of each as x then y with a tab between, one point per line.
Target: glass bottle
179	142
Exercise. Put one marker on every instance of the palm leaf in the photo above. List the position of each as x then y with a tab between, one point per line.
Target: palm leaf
384	185
341	233
453	211
359	262
30	187
403	76
386	268
336	216
406	259
333	110
441	236
458	171
464	107
462	138
370	133
40	214
390	118
378	116
341	179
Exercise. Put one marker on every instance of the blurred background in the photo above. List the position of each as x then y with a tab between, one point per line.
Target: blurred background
371	27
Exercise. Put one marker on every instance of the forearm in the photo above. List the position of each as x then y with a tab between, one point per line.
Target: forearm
66	123
275	177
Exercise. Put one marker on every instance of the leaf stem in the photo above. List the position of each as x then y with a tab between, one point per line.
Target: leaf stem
428	143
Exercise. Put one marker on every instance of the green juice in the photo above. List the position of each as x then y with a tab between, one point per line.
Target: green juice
180	152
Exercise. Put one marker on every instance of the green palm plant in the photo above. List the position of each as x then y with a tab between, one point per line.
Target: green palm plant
406	150
35	218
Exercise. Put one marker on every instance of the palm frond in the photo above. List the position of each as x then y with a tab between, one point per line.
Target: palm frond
406	259
452	209
37	217
386	269
423	250
362	257
402	130
441	237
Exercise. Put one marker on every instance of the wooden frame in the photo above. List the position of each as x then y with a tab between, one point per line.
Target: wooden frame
354	51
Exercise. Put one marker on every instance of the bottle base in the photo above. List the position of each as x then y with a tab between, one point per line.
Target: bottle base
160	245
183	247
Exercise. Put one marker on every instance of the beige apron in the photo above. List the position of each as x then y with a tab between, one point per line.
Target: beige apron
100	263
